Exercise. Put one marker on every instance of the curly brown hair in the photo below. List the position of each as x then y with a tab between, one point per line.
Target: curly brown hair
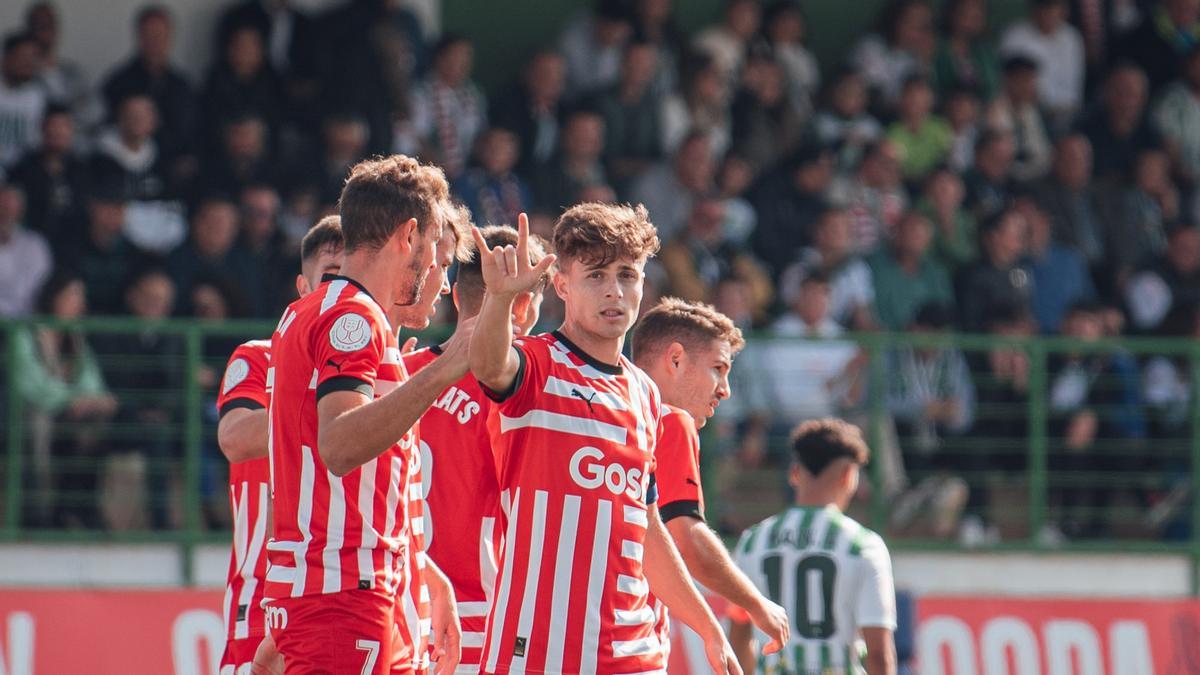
818	443
596	234
458	220
691	324
383	193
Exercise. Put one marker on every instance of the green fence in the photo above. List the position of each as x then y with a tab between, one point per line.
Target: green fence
1114	468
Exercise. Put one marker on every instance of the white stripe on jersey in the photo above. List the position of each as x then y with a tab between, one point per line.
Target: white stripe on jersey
468	610
250	555
631	585
395	481
565	389
281	574
636	515
648	672
472	639
537	538
487	560
595	590
568	424
563	567
631	550
639	410
392	356
366	506
629	617
308	472
312	383
501	604
558	353
639	647
335	536
332	292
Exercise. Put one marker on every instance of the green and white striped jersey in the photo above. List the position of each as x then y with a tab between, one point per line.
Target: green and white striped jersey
832	575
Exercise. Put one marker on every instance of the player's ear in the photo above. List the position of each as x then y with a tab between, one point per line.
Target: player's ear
676	354
406	235
560	283
454	297
520	309
794	475
302	288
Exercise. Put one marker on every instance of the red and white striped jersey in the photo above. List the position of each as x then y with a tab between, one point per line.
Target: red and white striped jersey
334	534
574	446
245	386
462	500
413	615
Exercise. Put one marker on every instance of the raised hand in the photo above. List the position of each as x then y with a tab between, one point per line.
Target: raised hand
506	270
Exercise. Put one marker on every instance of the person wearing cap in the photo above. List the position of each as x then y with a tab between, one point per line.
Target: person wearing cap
1015	112
1056	47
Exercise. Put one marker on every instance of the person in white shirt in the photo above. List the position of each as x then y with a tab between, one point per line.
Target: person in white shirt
1057	48
25	261
22	99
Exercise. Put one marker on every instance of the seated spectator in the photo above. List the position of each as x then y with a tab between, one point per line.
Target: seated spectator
54	180
785	28
901	46
1167	386
962	110
988	182
285	31
242	83
874	196
212	252
964	57
922	138
851	292
1015	112
1071	201
1156	44
843	123
22	98
1176	117
1139	212
343	144
592	45
996	280
149	72
766	126
906	277
632	140
1120	128
787	203
1169	282
654	21
1056	47
449	110
64	80
65	405
576	166
129	150
1059	273
265	244
727	42
242	157
669	189
103	257
955	241
531	109
25	260
493	192
702	105
734	177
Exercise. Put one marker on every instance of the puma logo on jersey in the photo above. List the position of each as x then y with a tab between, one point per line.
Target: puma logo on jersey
335	364
691	482
458	404
591	475
578	394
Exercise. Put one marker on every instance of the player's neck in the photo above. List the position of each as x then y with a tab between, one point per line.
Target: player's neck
604	350
818	498
376	278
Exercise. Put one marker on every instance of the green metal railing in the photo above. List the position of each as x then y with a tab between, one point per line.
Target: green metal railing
202	347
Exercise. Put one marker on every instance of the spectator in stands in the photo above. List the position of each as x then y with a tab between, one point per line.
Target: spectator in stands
785	28
592	45
1167	386
1015	112
728	41
1056	47
449	110
241	158
265	244
22	99
287	35
653	21
149	73
493	192
1072	202
734	177
531	109
66	405
129	151
103	257
702	105
843	123
851	291
576	166
343	144
1059	273
64	80
1120	129
962	112
1177	118
955	241
988	182
996	280
766	126
964	56
212	252
54	179
923	139
906	277
874	196
242	83
1159	44
1139	213
25	260
669	189
788	202
632	135
1166	283
902	45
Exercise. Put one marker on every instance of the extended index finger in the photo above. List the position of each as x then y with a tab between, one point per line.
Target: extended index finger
480	242
523	240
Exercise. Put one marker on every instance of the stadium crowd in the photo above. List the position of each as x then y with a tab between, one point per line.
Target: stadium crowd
950	175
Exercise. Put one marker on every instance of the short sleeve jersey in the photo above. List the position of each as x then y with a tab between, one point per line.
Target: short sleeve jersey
574	445
244	385
462	500
831	574
335	533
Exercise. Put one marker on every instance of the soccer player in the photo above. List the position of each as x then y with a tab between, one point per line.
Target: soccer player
833	575
242	436
342	415
573	431
462	499
687	348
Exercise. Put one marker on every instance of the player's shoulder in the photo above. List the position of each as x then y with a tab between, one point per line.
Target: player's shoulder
415	360
864	542
252	350
678	422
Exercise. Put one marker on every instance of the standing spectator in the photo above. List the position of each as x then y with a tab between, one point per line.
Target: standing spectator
1165	284
785	28
728	41
22	99
1015	112
576	166
702	105
1069	198
242	83
25	260
1103	24
955	242
922	138
669	189
103	257
901	46
988	182
212	252
449	109
1177	118
286	33
906	277
266	246
843	124
344	139
1120	129
874	196
766	126
149	73
961	110
54	180
964	57
632	141
531	109
64	80
592	45
788	203
1057	48
1165	36
1059	273
996	280
494	193
851	292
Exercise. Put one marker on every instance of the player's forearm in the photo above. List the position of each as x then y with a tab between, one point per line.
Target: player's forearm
669	581
709	562
242	434
491	356
741	638
881	664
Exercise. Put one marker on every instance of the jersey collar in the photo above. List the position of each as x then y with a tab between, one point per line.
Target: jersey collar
352	282
601	366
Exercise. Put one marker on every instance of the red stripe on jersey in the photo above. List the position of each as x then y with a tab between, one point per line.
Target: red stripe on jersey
245	385
462	499
334	534
413	615
574	448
